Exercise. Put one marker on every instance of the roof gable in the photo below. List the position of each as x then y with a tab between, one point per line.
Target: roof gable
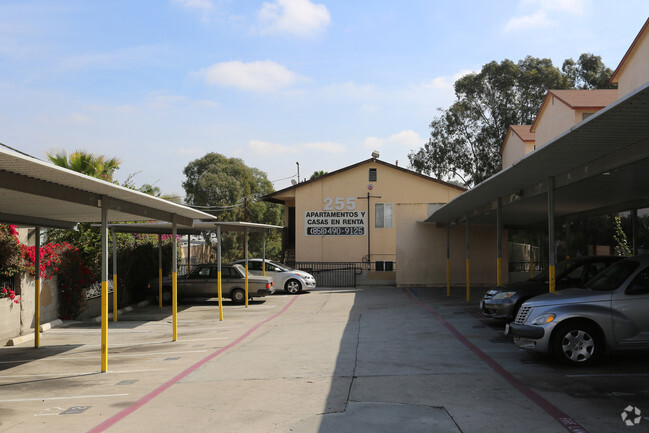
577	100
615	77
270	197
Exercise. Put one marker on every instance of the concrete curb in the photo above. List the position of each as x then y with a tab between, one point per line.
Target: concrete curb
121	311
29	337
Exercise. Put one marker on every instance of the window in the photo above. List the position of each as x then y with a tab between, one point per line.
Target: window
372	175
383	215
585	116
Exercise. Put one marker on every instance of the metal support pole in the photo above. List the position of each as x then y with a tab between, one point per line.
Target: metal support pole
499	246
160	269
245	236
218	267
104	287
634	232
448	260
114	275
551	258
37	287
468	259
189	253
174	278
263	256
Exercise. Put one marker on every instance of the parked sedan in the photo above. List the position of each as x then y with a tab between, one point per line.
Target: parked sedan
579	325
202	281
504	302
292	280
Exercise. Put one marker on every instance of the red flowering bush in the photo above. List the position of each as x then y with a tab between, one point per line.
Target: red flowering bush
6	292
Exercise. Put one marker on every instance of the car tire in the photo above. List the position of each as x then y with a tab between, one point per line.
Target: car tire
238	296
293	286
577	343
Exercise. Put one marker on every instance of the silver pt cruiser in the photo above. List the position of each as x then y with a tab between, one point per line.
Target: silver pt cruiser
579	325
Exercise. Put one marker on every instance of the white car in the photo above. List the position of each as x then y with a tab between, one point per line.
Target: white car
292	280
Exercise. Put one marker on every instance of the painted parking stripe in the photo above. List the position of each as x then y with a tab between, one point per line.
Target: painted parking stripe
566	421
72	397
82	374
162	388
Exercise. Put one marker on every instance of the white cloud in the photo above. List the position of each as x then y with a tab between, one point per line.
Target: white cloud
254	76
80	118
264	148
326	147
294	17
201	5
407	139
541	13
535	21
447	82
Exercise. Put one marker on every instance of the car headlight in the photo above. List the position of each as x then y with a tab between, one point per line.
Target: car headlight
503	295
543	319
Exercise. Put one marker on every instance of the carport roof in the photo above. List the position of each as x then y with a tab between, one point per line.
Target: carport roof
196	228
36	193
599	166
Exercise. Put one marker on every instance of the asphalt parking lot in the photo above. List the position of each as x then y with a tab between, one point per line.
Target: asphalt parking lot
372	359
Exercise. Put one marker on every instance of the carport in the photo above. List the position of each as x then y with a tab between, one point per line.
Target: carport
196	228
40	195
599	166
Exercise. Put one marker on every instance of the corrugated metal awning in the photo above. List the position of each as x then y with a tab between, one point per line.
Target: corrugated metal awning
36	193
600	166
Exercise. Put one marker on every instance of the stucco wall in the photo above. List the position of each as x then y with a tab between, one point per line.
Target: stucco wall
421	252
393	186
555	118
635	72
514	149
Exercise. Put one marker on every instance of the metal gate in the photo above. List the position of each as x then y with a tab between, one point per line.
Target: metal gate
332	274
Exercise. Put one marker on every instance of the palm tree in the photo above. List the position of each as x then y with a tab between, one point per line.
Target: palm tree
87	163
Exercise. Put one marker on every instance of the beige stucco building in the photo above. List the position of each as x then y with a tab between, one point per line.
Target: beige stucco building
563	109
519	141
373	211
633	70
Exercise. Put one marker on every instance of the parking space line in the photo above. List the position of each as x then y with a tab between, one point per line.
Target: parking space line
153	394
67	374
72	397
566	421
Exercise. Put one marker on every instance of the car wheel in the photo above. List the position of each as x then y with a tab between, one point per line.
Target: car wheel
292	286
238	296
577	343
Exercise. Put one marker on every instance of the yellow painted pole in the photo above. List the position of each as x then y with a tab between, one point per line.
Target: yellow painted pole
160	270
245	235
468	281
114	297
448	277
174	279
448	259
160	286
218	264
552	278
531	264
104	326
499	273
220	293
104	287
37	287
114	277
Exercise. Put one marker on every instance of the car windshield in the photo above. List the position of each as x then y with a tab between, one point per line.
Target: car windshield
560	268
279	265
612	277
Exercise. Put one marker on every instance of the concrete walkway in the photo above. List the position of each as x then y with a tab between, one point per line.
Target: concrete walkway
374	359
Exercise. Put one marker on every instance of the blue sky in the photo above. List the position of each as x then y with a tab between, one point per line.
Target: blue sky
159	83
